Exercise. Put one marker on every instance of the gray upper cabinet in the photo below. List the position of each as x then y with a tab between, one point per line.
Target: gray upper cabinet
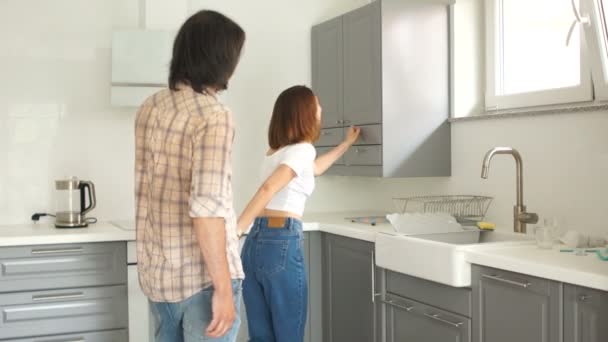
362	61
348	307
387	64
514	307
585	314
327	70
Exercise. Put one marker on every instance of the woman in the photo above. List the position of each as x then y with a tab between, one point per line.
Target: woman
274	289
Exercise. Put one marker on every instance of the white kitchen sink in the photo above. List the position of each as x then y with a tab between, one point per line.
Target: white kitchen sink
439	257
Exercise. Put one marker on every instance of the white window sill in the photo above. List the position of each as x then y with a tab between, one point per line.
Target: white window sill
534	111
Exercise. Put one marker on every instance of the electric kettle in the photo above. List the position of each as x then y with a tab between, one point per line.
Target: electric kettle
71	203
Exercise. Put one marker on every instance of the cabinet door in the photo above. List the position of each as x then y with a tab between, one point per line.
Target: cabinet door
140	319
349	308
327	70
585	313
407	320
514	307
362	66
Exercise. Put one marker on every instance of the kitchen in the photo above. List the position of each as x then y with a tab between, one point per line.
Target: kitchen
58	121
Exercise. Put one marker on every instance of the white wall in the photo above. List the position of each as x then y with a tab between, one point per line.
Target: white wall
55	117
56	121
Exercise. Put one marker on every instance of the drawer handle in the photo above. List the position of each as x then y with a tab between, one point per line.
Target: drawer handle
72	295
325	133
393	303
583	298
437	317
360	150
507	281
57	251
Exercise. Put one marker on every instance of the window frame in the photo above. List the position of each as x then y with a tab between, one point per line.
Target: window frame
596	33
584	92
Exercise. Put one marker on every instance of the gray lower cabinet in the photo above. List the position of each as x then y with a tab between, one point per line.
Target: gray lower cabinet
408	320
99	336
421	310
349	306
510	307
585	314
76	290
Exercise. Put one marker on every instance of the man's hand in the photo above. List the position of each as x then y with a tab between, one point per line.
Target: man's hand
224	313
211	235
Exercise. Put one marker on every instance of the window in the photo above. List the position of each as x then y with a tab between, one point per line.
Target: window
597	33
528	60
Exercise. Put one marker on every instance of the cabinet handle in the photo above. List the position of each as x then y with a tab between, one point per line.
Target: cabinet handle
338	122
325	133
57	251
507	281
72	295
437	317
346	122
360	150
393	303
583	298
374	293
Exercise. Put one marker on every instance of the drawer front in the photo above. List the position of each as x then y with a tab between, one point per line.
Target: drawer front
63	311
62	266
323	150
508	279
364	155
330	137
100	336
370	135
409	320
454	299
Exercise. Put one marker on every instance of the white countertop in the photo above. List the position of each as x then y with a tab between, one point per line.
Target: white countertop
588	271
46	234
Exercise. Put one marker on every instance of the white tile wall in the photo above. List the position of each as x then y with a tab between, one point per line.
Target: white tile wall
56	121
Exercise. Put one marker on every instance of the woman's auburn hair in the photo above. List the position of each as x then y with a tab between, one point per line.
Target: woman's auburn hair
294	118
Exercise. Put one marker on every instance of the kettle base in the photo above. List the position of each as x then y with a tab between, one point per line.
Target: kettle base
68	226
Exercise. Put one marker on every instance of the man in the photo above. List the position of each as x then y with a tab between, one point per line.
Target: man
187	245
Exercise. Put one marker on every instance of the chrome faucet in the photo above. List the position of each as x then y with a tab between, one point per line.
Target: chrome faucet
520	217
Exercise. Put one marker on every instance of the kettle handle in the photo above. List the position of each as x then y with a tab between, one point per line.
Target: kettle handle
90	188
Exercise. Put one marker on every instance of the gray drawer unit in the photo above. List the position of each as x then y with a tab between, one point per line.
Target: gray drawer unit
370	135
364	155
323	150
28	268
408	320
454	299
99	336
330	137
64	311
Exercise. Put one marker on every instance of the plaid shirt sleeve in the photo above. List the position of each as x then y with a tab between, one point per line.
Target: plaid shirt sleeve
211	192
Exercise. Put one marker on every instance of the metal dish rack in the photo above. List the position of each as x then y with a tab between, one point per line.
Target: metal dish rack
466	209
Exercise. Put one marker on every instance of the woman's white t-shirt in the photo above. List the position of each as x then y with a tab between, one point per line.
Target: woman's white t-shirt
300	158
